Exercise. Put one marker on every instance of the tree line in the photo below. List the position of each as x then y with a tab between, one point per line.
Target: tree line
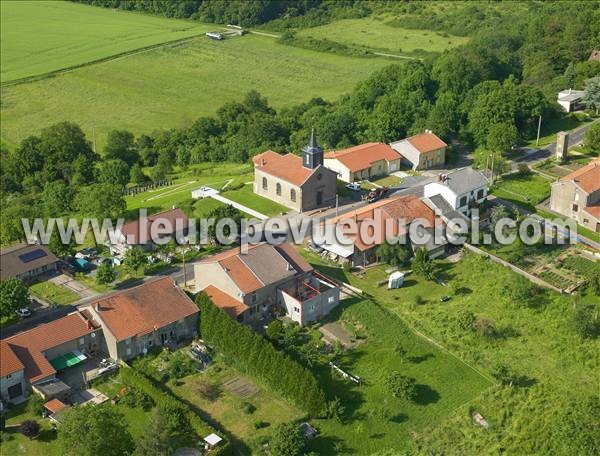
253	355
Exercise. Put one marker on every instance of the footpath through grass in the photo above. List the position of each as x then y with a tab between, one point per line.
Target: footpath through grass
44	36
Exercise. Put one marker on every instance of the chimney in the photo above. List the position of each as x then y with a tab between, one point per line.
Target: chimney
173	207
97	306
263	162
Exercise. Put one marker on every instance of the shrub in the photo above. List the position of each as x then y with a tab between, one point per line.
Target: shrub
29	428
254	355
335	409
35	405
181	365
485	326
401	386
260	424
135	398
586	322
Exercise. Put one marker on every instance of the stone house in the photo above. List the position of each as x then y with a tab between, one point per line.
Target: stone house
577	196
422	151
300	183
267	278
363	162
153	314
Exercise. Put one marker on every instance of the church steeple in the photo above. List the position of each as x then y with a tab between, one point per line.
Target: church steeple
313	154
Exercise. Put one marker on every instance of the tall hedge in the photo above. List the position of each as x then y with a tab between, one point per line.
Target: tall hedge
255	356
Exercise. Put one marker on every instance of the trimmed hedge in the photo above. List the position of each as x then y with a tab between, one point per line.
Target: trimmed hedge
161	398
255	356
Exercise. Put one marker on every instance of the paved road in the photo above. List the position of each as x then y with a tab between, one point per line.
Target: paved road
534	155
41	316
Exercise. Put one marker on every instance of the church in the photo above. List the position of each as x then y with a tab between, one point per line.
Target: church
301	183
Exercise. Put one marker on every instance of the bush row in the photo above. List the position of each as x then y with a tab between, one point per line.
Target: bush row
255	356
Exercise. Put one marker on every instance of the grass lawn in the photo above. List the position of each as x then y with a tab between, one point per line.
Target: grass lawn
52	293
180	193
375	420
376	34
206	391
43	36
246	196
172	86
14	443
387	181
529	188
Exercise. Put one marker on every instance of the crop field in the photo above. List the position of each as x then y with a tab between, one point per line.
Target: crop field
173	85
376	34
44	36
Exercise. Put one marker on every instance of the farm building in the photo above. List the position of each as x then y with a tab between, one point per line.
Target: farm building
363	162
422	151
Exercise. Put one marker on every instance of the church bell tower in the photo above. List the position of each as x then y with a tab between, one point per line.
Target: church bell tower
313	154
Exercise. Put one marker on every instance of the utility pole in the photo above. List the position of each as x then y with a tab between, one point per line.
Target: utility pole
492	178
537	141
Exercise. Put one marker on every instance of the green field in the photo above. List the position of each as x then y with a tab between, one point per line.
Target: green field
171	86
537	342
377	35
44	36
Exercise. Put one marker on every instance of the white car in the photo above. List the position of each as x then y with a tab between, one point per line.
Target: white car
354	186
24	312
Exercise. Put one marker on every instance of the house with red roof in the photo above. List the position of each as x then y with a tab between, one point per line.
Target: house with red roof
389	219
34	357
363	162
577	195
301	183
144	231
422	151
133	321
267	278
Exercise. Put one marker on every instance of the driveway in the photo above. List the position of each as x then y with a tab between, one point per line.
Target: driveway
69	283
207	192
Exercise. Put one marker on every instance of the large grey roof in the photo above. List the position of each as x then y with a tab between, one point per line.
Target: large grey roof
267	264
21	258
465	180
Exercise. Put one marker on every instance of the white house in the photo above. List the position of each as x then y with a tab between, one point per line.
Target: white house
570	100
460	189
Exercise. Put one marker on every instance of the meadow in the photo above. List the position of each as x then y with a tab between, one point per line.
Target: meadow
171	86
376	34
39	37
536	341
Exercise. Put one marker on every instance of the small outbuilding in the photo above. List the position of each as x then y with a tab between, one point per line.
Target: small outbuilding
212	441
396	280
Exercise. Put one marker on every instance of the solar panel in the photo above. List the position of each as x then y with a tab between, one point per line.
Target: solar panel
33	255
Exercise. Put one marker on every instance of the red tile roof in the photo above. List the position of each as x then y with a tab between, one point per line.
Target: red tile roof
426	142
232	261
262	158
407	208
226	302
55	405
587	177
9	363
145	308
594	211
363	156
29	345
287	167
171	216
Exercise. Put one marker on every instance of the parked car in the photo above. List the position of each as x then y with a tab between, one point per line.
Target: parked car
354	186
376	194
314	247
445	298
24	312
